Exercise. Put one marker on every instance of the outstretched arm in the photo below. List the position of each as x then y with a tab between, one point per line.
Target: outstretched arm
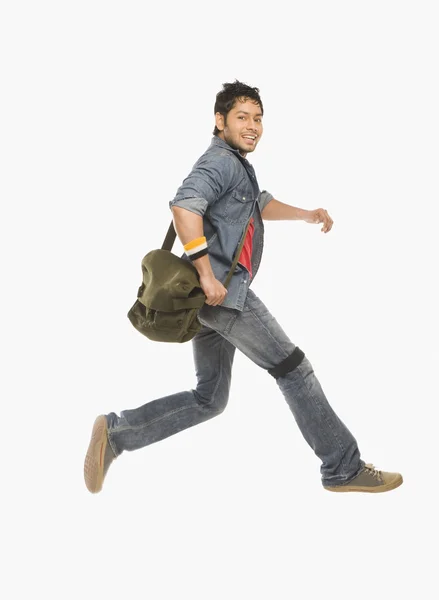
278	211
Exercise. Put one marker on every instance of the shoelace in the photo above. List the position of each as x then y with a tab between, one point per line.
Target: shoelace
372	471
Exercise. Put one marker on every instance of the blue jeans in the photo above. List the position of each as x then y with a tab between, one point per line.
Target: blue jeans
258	335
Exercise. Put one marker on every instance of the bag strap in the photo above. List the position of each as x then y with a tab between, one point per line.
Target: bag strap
184	303
170	239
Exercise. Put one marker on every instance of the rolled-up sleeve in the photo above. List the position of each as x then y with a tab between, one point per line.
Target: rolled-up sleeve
209	179
264	198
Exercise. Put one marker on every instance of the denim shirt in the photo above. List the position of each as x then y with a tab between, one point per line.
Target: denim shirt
222	188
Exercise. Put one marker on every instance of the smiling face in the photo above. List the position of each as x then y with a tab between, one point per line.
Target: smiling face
242	128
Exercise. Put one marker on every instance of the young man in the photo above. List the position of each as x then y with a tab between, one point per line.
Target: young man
211	210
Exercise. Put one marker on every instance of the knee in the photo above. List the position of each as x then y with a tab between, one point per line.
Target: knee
288	364
214	403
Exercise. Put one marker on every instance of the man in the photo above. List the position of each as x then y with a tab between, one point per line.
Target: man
211	211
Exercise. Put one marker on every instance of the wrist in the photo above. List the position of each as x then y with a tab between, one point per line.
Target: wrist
203	266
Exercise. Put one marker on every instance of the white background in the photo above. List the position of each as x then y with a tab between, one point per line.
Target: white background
105	106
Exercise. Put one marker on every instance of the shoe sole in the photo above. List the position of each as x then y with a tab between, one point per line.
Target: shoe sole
372	490
94	459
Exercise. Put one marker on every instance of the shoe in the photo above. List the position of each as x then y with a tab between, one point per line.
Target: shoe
99	456
369	480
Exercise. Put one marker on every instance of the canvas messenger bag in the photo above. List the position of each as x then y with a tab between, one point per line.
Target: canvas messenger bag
168	301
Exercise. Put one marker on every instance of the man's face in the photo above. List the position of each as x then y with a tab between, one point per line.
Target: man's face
242	129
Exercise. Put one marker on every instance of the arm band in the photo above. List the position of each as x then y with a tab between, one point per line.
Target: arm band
196	248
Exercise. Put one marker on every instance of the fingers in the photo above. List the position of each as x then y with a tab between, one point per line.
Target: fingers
217	298
326	220
213	289
320	215
216	301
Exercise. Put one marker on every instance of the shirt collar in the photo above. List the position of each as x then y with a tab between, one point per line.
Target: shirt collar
217	141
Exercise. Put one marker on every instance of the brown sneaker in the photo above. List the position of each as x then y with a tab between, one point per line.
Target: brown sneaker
99	456
370	480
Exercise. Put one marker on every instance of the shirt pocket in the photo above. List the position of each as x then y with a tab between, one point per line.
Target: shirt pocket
238	207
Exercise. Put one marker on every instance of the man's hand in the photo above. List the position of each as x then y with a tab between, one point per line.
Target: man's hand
214	289
320	215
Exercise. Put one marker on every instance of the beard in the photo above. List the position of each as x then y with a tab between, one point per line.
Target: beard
238	145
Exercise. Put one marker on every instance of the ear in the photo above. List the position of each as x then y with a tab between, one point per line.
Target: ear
219	121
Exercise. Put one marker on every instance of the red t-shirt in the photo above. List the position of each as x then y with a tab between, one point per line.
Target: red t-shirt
245	257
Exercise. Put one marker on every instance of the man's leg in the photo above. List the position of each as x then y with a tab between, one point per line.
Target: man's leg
158	419
258	335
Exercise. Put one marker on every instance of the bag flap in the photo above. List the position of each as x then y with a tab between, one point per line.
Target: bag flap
169	282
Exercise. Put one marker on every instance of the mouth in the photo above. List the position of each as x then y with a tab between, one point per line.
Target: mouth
250	139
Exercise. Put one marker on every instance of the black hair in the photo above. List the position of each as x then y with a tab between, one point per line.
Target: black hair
231	92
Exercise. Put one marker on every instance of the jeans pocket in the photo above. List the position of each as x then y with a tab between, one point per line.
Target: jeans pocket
219	318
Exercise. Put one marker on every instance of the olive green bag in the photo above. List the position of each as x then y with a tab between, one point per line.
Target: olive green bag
168	301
